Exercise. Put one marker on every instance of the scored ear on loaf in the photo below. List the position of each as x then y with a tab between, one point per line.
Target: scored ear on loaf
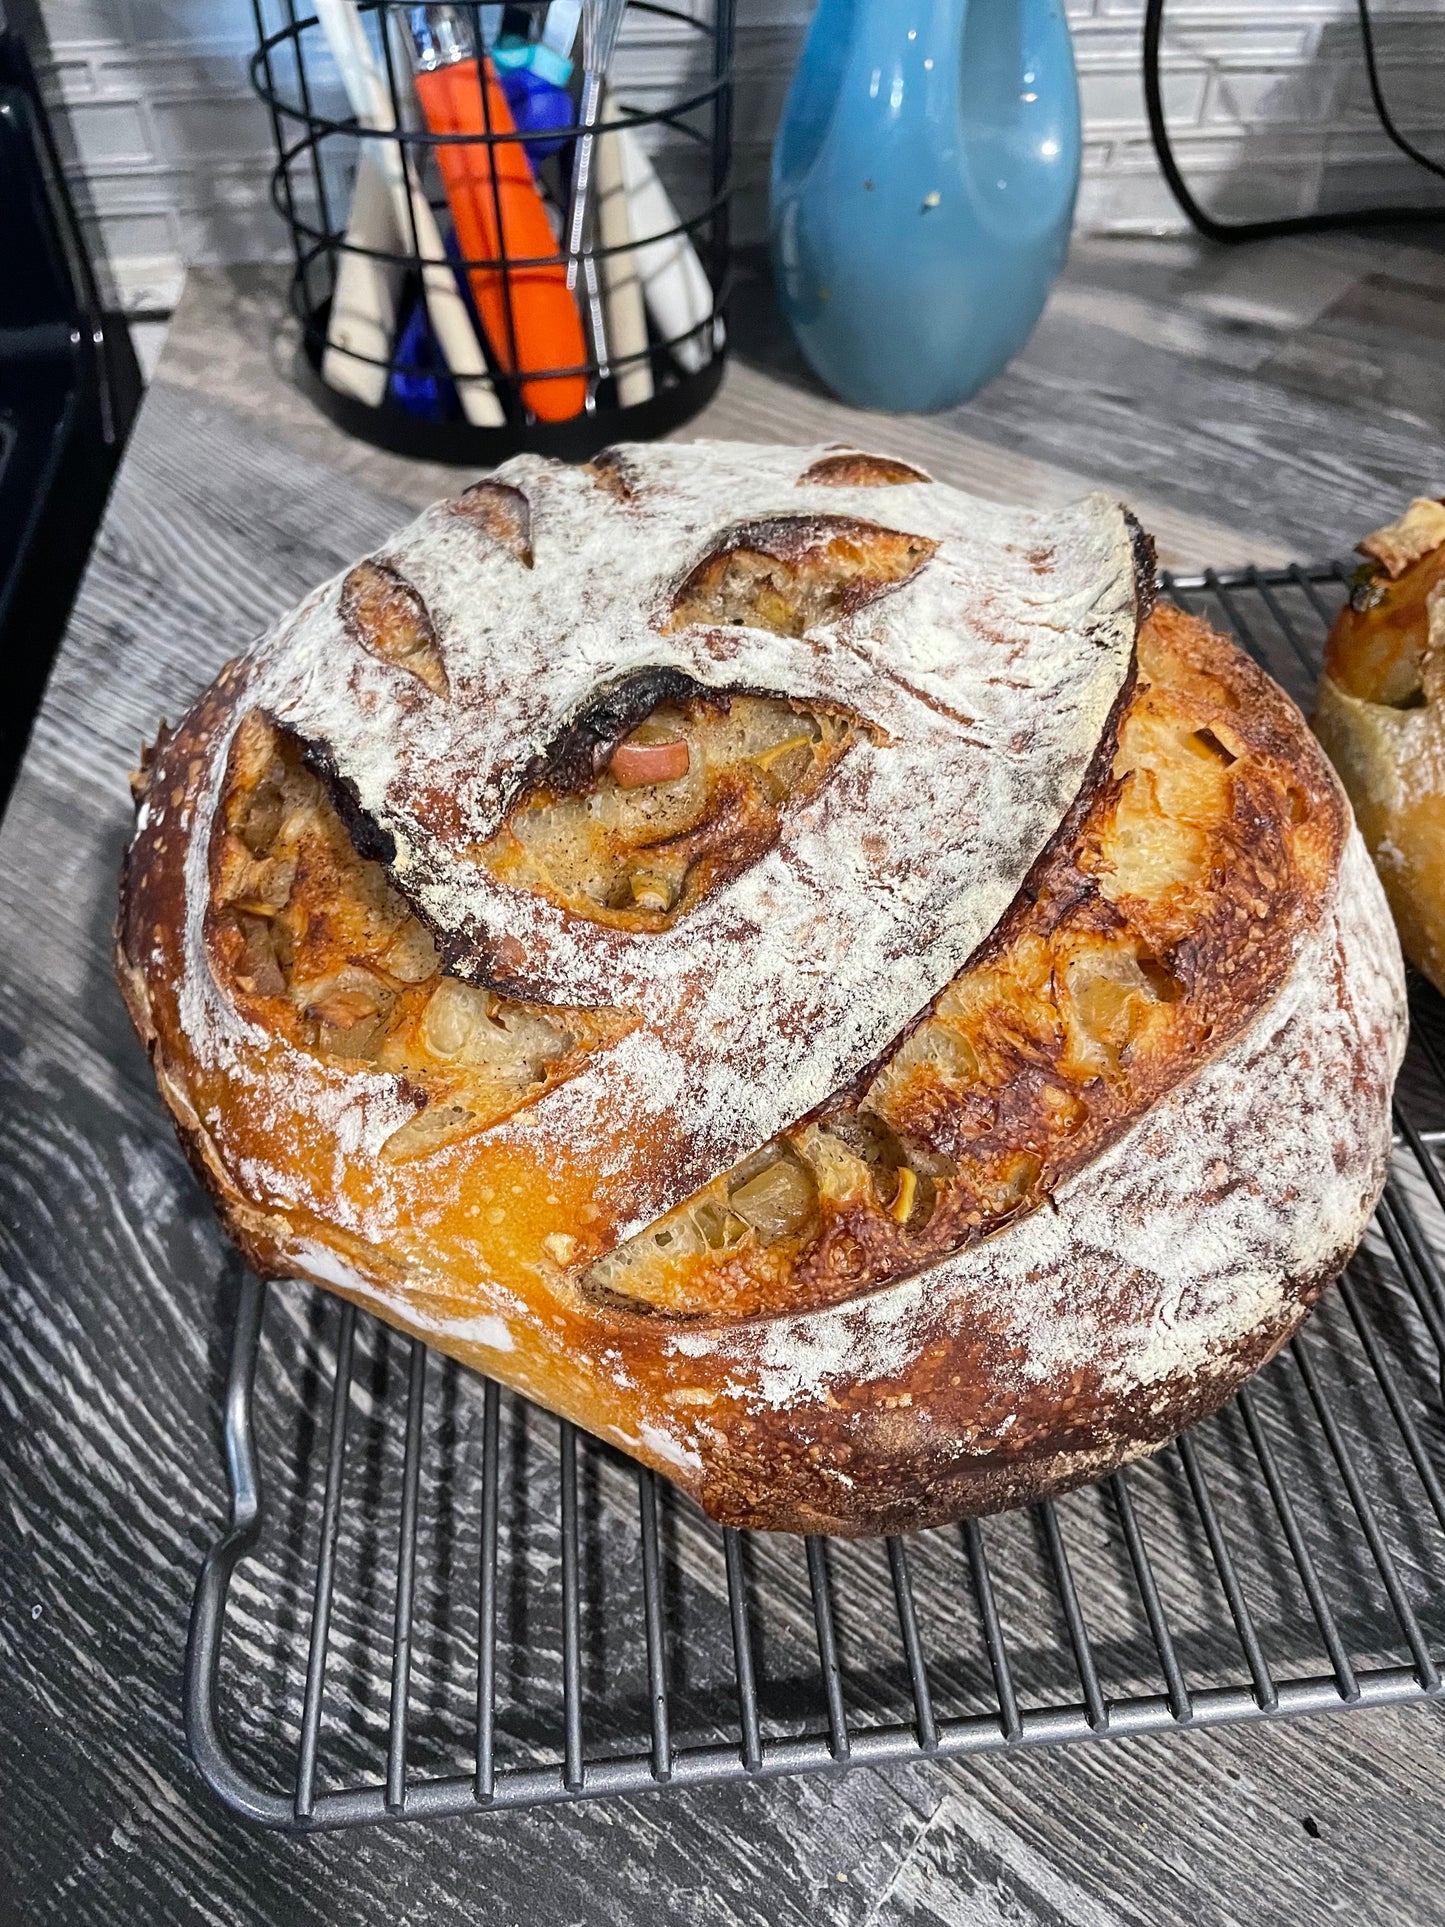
785	963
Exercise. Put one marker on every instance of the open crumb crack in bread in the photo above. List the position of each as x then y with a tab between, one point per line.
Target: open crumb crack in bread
797	969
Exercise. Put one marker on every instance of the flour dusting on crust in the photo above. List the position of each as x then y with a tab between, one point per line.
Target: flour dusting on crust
989	678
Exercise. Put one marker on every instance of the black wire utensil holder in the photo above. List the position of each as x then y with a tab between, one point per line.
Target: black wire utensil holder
458	299
433	1598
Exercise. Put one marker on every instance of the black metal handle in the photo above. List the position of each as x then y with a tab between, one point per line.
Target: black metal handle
1216	230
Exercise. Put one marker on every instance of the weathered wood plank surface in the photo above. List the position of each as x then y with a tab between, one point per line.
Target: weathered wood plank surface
116	1294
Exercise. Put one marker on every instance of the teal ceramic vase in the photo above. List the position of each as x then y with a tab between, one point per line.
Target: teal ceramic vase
923	187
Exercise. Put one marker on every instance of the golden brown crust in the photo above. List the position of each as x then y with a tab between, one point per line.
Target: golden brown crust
793	573
850	469
1419	532
1376	648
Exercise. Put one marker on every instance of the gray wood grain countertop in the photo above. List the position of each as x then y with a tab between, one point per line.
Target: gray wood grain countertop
1257	405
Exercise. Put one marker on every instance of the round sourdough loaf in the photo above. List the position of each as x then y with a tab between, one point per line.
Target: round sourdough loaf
795	968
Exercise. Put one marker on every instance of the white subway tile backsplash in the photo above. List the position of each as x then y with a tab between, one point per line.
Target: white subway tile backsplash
244	233
149	238
140	190
69	79
72	23
161	72
1115	202
213	126
100	134
1305	94
1116	99
186	21
145	251
1415	94
1269	110
1245	44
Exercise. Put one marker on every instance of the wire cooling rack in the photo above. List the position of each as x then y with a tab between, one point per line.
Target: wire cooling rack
433	1598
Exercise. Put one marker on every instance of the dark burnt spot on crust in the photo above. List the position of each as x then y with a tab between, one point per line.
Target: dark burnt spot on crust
500	511
852	469
1146	565
792	573
571	761
373	842
386	616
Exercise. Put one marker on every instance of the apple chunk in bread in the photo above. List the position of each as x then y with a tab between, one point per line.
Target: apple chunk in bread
696	788
693	793
792	573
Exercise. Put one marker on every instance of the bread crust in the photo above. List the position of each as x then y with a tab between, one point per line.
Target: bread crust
1159	1270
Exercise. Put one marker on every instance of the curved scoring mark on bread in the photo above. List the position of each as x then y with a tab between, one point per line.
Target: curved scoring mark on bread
851	469
1167	911
316	946
574	757
792	573
611	473
621	840
501	511
384	614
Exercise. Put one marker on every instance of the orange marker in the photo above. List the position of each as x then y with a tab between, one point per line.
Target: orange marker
483	182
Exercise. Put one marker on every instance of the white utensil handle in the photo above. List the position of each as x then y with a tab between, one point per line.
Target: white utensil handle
450	322
363	303
678	293
351	50
560	30
622	284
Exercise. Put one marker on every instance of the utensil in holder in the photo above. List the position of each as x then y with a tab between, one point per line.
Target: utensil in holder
454	303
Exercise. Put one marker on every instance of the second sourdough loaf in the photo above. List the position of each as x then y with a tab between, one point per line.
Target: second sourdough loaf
1380	713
